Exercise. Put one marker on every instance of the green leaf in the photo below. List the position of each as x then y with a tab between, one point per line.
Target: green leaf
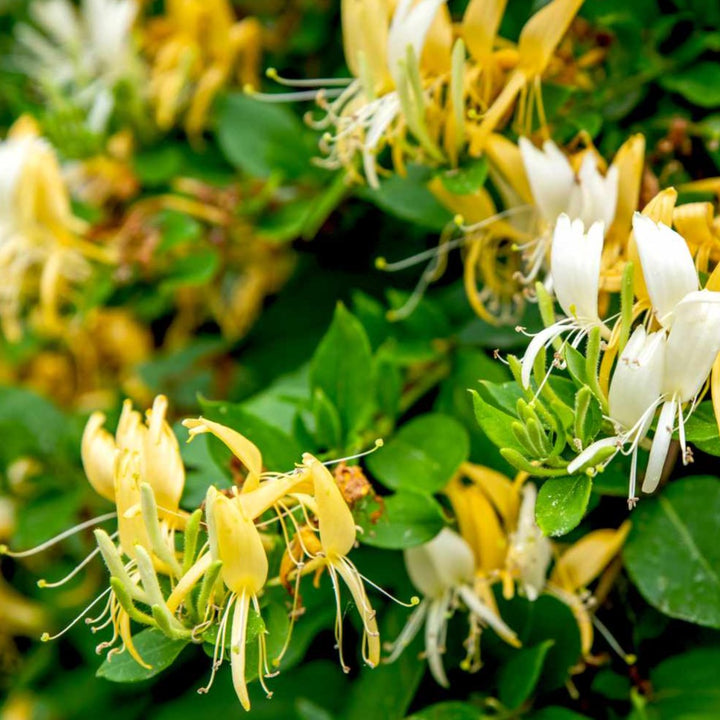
495	423
699	84
158	165
521	673
155	648
555	712
328	427
342	367
451	710
198	268
263	138
672	553
408	198
423	456
687	686
403	520
561	504
701	429
467	179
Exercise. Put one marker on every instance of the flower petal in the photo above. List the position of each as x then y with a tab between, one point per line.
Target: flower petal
693	344
660	446
667	266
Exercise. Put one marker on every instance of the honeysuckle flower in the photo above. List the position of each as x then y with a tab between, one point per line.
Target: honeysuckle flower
238	545
194	50
577	567
635	393
693	345
690	317
667	266
152	447
586	195
80	55
443	570
537	42
42	251
338	534
394	61
575	263
530	552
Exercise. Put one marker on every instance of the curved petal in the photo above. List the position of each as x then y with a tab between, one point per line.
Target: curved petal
637	380
575	266
667	266
660	446
693	344
550	176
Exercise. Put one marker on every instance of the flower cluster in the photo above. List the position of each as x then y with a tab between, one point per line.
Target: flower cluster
426	88
497	541
196	576
659	353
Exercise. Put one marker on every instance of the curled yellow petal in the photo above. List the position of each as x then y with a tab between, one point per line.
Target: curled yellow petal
479	525
580	564
542	34
247	452
337	527
365	35
479	27
629	160
98	451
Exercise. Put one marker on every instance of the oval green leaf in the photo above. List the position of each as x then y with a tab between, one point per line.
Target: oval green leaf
407	519
562	503
155	648
672	553
423	456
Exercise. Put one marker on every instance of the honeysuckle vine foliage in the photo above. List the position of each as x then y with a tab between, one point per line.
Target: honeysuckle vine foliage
359	358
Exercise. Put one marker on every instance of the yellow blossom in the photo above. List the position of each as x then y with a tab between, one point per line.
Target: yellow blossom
194	50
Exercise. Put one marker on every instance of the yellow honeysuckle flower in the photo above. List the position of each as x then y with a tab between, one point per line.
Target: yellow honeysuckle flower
578	566
244	572
194	50
337	537
538	40
42	251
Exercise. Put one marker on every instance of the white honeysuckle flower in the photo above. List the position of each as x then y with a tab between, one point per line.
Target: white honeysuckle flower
636	383
443	570
594	196
667	266
588	196
693	344
81	54
636	390
550	176
575	258
575	262
530	552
